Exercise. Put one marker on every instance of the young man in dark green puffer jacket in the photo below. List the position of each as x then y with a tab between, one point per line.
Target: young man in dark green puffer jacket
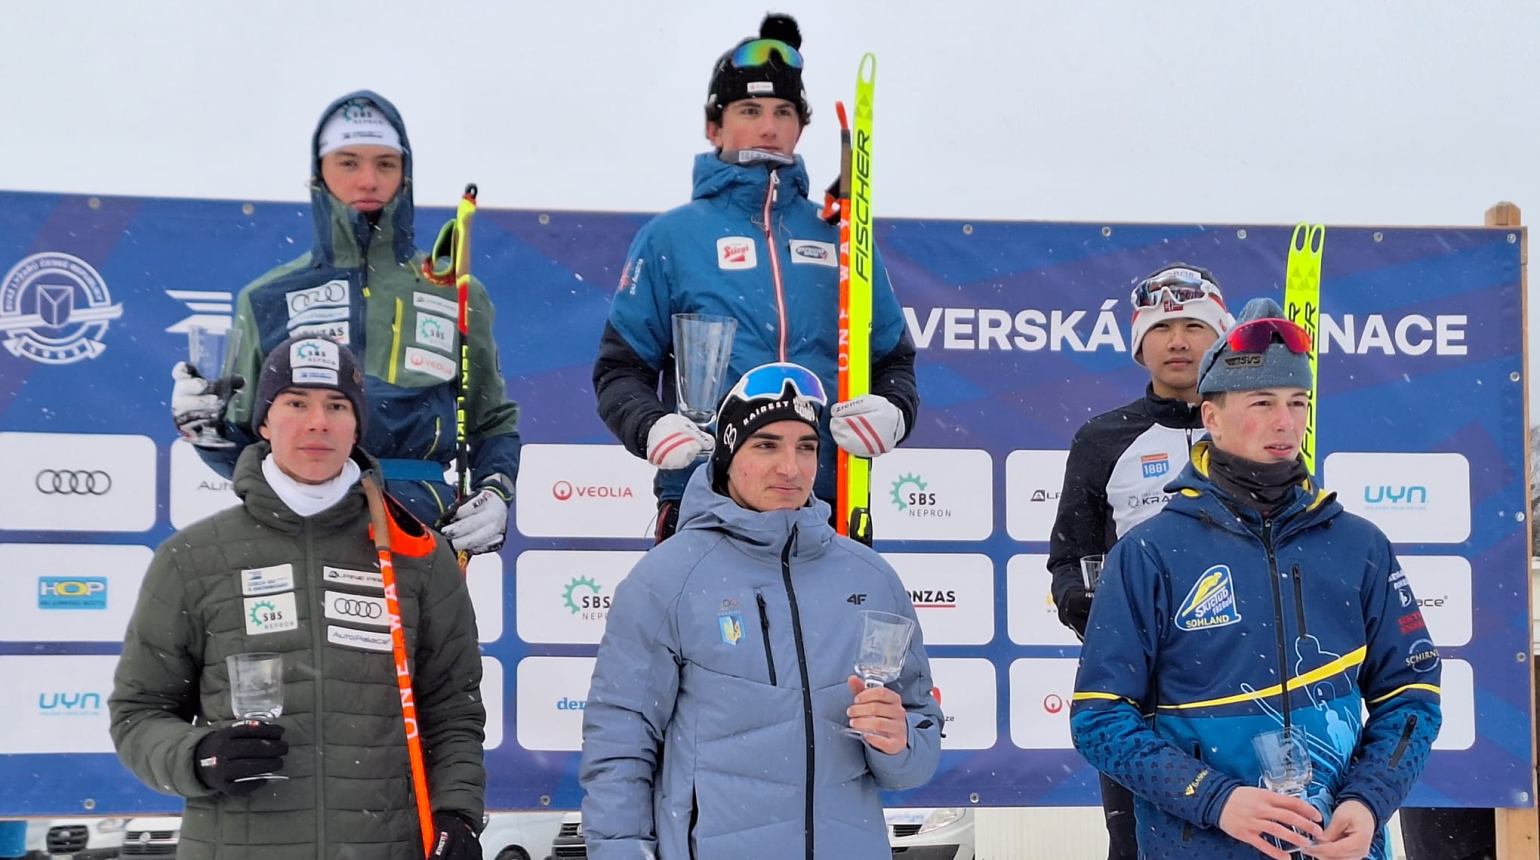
293	570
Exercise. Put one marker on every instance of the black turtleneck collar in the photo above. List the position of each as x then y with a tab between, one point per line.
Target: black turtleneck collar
1262	487
1171	411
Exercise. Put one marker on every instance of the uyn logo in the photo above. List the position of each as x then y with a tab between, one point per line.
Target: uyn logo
69	704
1384	497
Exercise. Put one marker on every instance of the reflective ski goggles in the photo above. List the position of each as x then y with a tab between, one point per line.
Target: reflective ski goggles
769	381
1174	285
758	52
1256	335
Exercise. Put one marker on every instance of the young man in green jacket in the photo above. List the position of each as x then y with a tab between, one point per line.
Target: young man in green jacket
293	570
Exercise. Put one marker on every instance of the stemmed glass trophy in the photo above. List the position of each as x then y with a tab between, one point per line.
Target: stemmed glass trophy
703	347
880	657
256	692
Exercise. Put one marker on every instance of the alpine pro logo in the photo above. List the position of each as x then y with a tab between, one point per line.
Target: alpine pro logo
54	309
736	252
1211	603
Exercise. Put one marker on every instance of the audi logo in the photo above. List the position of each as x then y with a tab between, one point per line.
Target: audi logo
72	482
330	293
358	608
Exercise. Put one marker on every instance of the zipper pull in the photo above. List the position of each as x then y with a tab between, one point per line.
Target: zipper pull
764	615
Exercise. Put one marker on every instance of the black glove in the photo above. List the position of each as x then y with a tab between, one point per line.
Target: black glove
1075	610
239	751
454	838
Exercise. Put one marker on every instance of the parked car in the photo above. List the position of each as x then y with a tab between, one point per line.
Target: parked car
37	838
569	839
152	836
519	835
85	838
941	833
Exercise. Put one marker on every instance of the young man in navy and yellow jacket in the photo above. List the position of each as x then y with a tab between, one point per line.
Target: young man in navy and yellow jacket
1254	603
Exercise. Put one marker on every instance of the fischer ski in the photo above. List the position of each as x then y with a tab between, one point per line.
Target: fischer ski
1302	305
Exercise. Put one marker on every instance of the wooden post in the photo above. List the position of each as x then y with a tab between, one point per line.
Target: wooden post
1518	830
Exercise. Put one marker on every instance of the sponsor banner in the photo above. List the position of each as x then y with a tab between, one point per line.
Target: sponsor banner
584	491
274	613
70	592
933	494
563	596
1041	691
352	637
1457	698
1413	498
437	366
1441	585
1031	616
72	482
492	700
548	705
1033	480
57	703
484	579
356	609
966	690
953	595
736	252
197	491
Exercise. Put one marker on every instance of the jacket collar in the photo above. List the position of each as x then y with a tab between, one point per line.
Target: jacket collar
758	533
745	186
1171	412
1196	495
345	238
252	488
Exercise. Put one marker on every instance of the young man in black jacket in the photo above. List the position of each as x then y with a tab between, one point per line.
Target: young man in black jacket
1121	461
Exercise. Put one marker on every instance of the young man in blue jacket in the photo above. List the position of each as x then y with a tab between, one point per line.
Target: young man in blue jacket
713	725
750	246
1252	603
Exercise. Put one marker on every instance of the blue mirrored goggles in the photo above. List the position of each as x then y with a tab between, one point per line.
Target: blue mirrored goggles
759	51
1176	285
769	381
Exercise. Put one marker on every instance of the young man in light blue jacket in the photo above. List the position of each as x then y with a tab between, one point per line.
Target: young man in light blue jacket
714	726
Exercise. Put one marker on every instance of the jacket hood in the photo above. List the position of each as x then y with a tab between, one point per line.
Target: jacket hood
343	236
758	532
1197	496
744	184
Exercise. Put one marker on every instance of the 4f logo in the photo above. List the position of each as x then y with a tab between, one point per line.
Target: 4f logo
856	599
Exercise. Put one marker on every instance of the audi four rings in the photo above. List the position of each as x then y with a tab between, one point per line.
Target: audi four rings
358	608
73	482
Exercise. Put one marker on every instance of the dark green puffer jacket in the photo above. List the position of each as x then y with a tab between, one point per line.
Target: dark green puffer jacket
259	577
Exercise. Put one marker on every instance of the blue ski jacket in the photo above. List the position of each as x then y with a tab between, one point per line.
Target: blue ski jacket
712	727
751	246
1214	624
361	284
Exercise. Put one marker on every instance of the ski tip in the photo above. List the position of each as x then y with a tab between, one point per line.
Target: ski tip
839	109
868	71
470	190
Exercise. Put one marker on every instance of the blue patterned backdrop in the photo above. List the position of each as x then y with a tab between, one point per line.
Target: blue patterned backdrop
1038	288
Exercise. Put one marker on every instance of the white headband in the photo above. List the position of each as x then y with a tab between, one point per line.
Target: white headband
357	123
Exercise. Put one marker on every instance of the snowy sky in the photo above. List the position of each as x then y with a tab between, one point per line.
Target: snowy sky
1349	112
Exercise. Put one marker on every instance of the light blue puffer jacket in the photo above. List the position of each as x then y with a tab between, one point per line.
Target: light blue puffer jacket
712	727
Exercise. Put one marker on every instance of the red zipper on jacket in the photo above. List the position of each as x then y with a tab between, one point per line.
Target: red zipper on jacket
775	259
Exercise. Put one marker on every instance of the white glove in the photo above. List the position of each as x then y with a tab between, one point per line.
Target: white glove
197	407
675	441
480	524
866	426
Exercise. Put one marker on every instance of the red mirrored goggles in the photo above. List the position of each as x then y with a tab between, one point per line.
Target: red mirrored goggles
1256	335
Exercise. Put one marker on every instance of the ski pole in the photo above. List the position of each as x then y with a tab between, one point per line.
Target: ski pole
379	530
454	244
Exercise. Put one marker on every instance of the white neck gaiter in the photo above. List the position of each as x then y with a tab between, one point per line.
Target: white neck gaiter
307	500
